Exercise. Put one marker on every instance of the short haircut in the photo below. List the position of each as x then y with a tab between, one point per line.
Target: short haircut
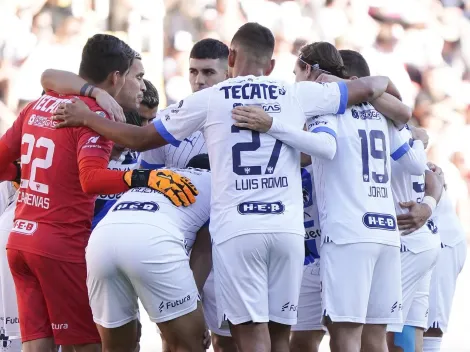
133	118
323	54
209	49
256	40
102	55
200	161
151	98
355	64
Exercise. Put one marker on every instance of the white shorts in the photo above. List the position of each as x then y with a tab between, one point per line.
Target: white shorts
9	319
130	261
209	303
310	309
361	283
416	269
443	281
258	277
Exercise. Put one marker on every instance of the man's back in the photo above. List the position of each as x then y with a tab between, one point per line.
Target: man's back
353	190
53	215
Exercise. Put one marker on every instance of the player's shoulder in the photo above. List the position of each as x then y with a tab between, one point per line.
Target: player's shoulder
364	112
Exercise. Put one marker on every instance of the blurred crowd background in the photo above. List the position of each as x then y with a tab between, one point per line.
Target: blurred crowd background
423	45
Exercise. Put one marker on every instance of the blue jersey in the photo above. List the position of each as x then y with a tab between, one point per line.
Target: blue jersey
311	222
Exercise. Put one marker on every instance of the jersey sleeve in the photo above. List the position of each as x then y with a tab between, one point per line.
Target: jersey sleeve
12	137
326	123
180	120
153	159
408	153
322	98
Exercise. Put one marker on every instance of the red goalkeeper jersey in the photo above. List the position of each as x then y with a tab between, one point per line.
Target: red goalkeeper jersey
53	214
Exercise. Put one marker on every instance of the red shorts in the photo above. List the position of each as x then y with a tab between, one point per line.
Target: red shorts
52	299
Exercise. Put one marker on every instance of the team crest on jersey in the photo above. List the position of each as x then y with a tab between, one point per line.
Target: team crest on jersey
369	114
101	113
432	226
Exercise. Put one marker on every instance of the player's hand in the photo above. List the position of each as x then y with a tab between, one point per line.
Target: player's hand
108	104
326	78
420	134
252	117
206	339
438	172
178	189
416	217
71	114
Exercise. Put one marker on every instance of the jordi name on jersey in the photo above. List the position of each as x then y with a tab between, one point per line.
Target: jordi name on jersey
378	192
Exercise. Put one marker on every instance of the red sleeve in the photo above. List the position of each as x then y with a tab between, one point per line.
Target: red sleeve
10	147
95	178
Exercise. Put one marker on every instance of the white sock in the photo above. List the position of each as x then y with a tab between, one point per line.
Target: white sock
432	344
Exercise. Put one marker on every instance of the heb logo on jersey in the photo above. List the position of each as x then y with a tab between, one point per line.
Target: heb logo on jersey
25	227
137	206
41	121
379	221
261	208
315	124
366	114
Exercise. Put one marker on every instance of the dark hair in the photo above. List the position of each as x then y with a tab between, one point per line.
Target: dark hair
151	98
355	64
103	54
200	161
133	118
323	54
256	40
209	49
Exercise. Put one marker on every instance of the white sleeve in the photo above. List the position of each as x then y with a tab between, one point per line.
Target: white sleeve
153	159
7	191
180	120
321	143
407	152
322	98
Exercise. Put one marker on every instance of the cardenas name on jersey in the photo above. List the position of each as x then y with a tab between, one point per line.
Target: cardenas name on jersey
147	206
311	220
353	190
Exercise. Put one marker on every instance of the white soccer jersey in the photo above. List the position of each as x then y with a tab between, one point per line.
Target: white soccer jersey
353	190
446	219
311	221
171	156
147	206
256	184
407	187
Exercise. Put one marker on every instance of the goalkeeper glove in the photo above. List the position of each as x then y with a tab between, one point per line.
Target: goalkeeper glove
178	189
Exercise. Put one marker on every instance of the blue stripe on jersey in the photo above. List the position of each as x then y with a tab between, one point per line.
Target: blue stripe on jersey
308	224
147	165
162	131
397	154
343	102
325	130
311	252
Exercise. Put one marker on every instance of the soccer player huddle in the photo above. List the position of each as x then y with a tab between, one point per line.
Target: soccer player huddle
255	213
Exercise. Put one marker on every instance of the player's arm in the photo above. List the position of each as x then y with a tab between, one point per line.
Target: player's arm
393	109
408	152
321	144
172	125
201	257
93	156
65	82
10	149
419	213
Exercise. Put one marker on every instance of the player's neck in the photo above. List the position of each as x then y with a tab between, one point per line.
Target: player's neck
246	68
